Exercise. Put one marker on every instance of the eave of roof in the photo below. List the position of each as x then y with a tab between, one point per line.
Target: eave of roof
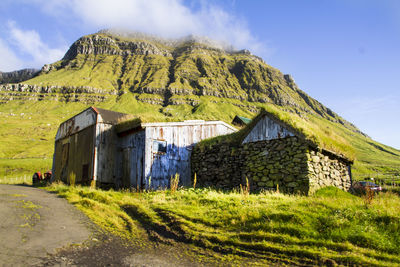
136	123
243	119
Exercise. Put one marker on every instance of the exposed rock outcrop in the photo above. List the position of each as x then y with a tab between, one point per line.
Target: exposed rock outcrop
103	45
26	92
17	76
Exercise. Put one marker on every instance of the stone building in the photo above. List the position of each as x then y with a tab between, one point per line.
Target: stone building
270	154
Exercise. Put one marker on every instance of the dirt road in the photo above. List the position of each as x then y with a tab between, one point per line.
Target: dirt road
38	228
34	223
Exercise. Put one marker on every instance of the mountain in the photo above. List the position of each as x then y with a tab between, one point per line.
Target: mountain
17	76
172	79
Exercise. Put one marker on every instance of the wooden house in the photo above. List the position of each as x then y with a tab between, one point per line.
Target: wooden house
104	146
85	147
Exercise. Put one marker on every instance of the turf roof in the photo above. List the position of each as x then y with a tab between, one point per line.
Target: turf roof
237	138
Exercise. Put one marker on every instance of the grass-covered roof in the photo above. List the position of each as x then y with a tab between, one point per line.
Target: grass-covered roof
310	137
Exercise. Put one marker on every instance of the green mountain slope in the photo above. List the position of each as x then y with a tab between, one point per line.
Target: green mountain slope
190	78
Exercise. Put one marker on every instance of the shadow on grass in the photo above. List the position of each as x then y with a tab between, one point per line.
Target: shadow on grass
170	228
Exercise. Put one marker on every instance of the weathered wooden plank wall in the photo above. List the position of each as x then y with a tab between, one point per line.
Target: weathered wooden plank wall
179	140
106	149
267	129
129	169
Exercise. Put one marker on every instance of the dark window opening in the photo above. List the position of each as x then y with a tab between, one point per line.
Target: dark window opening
159	146
85	172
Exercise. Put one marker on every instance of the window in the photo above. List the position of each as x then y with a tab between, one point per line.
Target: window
159	146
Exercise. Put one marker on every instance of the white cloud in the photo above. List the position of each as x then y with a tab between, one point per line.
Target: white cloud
9	61
28	42
168	18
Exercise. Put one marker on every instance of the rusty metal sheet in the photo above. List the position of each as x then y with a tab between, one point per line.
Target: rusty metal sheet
76	124
74	155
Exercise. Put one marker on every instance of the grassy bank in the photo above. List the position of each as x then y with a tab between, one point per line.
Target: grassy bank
330	227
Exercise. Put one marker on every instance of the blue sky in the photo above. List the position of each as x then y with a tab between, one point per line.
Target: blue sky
344	53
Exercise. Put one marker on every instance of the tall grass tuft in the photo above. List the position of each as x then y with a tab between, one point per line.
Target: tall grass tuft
93	184
174	183
149	183
194	180
245	189
72	179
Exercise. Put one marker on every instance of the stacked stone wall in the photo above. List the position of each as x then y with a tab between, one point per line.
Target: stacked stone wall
327	170
218	165
266	164
279	163
289	164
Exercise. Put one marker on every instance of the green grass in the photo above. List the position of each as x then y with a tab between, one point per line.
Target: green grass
330	226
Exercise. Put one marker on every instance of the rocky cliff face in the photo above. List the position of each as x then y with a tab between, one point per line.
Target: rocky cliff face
26	92
17	76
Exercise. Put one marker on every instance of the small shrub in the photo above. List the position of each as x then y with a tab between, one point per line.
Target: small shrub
194	180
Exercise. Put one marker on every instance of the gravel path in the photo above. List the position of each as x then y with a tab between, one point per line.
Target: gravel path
35	223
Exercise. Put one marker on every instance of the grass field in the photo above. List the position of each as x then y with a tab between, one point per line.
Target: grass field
331	227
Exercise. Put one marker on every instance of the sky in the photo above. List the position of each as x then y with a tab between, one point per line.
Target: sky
344	53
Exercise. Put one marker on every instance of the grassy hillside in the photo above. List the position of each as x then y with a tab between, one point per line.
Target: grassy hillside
164	80
331	227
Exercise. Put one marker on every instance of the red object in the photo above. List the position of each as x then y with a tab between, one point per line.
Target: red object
39	175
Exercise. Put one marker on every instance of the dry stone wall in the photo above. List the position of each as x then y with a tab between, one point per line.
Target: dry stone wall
289	164
326	170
